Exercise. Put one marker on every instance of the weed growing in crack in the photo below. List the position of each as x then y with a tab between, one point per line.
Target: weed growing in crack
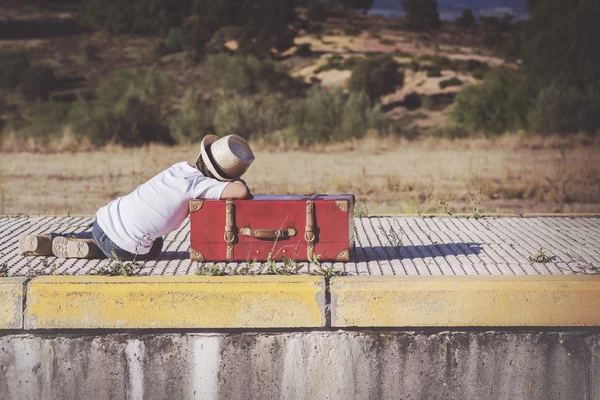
438	200
210	270
117	268
327	272
3	270
586	267
361	210
541	257
289	266
477	201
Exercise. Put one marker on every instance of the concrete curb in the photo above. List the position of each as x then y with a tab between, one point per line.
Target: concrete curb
12	291
302	301
439	301
57	302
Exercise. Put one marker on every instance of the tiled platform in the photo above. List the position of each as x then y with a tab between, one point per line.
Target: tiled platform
385	246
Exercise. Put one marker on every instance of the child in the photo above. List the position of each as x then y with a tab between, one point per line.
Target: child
132	226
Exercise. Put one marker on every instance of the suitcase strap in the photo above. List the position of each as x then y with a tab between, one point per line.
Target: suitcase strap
270	234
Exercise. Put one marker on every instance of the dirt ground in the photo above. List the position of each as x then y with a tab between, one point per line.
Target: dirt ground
512	174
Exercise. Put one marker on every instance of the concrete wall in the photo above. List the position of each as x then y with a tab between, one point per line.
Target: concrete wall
302	365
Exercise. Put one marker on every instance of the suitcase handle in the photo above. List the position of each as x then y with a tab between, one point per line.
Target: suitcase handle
268	234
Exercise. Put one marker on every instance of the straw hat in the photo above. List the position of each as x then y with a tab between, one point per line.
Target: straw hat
227	157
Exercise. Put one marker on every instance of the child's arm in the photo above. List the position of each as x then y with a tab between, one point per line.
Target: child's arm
236	190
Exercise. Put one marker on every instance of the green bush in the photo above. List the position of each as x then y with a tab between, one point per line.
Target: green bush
412	101
234	116
11	67
112	16
466	19
37	82
175	39
376	76
400	53
497	105
47	120
89	52
126	109
387	42
251	116
248	74
193	120
303	50
17	73
454	81
421	15
564	109
352	31
339	63
317	11
440	62
325	116
148	17
434	72
473	67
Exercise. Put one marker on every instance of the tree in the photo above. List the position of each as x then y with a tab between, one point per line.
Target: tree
467	19
561	43
376	76
364	5
421	15
263	24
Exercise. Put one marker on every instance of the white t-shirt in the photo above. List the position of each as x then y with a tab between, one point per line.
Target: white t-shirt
156	207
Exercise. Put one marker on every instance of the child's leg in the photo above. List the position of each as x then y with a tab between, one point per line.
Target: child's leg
156	249
35	245
75	247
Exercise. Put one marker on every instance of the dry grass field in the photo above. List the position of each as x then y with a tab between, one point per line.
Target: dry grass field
512	174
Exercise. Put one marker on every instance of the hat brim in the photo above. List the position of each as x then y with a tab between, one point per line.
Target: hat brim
206	141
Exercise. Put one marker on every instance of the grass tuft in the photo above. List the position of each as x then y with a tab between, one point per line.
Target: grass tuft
541	257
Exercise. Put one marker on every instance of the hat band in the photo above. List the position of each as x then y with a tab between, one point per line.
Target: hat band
215	165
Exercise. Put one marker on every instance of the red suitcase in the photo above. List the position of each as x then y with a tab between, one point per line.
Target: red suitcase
297	227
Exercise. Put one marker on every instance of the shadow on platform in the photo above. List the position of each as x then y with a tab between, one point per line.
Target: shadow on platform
381	253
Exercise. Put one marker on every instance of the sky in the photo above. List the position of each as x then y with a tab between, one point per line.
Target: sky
450	9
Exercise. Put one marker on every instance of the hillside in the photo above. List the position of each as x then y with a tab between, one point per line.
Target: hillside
82	58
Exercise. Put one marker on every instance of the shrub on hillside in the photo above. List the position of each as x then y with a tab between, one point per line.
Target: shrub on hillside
37	82
325	116
497	105
454	81
148	17
317	11
47	120
376	76
175	39
564	109
472	67
434	72
303	50
439	62
248	74
251	117
421	15
17	73
11	67
126	109
339	63
192	121
467	19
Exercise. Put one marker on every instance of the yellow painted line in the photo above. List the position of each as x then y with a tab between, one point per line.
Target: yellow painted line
438	301
11	303
175	302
